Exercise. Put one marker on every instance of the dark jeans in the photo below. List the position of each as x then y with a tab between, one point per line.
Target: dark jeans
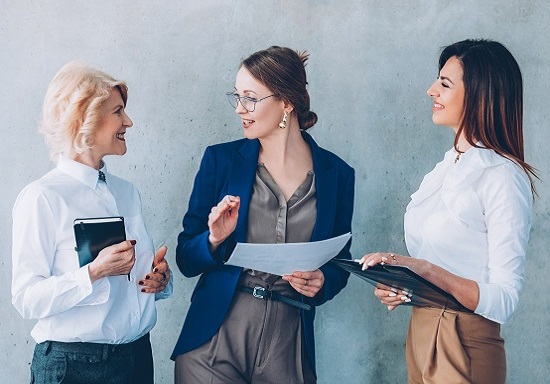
90	363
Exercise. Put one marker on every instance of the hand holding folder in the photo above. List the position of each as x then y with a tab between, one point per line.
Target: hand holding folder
423	293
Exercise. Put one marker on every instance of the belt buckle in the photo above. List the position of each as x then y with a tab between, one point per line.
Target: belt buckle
258	292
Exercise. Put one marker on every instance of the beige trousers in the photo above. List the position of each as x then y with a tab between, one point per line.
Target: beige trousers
448	347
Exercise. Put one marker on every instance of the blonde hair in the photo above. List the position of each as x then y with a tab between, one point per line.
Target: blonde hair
72	108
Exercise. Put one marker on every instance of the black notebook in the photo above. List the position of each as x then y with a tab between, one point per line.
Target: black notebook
94	234
424	293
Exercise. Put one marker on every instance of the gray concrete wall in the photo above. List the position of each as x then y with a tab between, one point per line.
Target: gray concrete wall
371	63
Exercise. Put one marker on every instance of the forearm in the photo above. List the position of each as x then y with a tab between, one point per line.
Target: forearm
41	297
466	291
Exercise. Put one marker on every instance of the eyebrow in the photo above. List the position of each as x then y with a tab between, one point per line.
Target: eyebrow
446	78
245	91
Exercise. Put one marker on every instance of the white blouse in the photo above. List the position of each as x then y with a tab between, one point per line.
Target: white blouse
473	218
49	285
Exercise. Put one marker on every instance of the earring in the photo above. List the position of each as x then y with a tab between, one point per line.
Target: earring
282	124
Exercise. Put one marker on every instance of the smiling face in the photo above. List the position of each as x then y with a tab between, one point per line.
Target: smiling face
108	138
448	95
264	120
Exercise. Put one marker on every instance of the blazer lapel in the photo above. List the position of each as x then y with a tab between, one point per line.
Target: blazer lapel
241	179
326	191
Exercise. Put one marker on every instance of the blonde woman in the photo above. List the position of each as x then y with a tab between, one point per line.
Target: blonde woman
93	321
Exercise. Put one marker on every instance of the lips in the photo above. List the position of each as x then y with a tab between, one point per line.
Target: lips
247	123
437	106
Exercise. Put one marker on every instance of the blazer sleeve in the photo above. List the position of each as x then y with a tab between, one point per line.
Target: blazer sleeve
193	255
337	278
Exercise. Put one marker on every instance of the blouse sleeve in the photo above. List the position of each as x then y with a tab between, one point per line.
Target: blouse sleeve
36	291
507	203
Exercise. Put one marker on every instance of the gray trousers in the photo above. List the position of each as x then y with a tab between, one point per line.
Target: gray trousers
259	342
93	363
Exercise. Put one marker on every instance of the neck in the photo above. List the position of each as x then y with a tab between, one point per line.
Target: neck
281	148
462	144
87	158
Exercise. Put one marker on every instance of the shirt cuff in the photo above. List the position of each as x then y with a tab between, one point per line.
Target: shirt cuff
94	293
488	296
168	290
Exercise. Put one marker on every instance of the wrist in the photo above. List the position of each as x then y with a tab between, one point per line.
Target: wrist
213	244
93	272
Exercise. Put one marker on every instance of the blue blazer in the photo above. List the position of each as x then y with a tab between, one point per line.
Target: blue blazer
230	168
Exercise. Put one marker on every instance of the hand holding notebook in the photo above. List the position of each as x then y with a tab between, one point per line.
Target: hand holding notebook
93	236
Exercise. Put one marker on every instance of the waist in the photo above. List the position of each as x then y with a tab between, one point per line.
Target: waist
96	351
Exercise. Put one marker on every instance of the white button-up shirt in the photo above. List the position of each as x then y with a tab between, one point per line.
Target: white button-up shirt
49	285
473	218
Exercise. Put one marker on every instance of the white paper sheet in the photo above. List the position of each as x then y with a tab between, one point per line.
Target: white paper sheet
283	259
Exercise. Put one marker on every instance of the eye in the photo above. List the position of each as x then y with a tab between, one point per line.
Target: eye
445	85
118	111
252	99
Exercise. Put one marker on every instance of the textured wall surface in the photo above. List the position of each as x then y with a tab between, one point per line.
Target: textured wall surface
371	63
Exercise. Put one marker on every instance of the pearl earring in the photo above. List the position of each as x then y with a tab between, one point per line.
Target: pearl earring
282	124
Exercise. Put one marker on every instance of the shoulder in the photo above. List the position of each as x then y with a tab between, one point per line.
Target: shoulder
502	179
41	191
501	170
322	155
227	147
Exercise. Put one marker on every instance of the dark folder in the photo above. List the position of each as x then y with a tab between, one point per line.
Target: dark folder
94	234
424	293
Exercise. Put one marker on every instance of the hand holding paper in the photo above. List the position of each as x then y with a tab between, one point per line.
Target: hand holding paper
284	259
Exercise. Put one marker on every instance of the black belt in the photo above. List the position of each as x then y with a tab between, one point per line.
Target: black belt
264	293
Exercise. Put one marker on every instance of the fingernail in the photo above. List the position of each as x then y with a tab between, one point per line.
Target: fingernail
147	277
404	298
133	242
370	263
141	282
357	261
143	290
393	294
393	289
155	270
384	258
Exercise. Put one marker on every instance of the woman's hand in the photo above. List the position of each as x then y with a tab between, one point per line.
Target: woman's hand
114	260
390	297
306	283
158	278
222	220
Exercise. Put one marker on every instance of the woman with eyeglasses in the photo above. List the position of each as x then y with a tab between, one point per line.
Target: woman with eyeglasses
467	226
274	186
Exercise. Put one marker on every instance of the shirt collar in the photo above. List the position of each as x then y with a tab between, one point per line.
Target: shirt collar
81	172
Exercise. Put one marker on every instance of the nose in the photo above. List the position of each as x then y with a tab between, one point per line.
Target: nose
239	109
432	91
127	122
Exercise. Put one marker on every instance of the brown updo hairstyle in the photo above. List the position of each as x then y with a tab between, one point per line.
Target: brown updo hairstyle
282	70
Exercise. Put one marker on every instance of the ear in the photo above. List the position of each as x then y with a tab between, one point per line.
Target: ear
288	108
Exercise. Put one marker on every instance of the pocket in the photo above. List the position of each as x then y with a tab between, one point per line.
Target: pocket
50	368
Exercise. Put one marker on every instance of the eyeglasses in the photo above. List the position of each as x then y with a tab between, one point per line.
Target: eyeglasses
248	103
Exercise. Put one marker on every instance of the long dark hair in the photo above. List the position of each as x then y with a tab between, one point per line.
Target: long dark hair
282	70
493	99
